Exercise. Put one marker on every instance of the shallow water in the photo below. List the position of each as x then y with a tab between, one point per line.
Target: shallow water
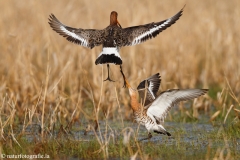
193	138
189	131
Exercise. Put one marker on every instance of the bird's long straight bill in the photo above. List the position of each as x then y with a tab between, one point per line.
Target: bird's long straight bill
119	24
127	84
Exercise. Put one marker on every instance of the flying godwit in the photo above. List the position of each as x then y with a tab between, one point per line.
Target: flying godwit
155	108
113	37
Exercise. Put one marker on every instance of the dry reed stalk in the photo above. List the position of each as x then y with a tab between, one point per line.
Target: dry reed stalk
215	115
44	97
100	137
24	121
133	157
200	59
237	110
127	132
221	152
1	123
231	93
119	107
53	117
137	142
227	114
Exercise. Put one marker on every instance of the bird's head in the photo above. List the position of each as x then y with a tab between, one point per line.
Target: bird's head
113	19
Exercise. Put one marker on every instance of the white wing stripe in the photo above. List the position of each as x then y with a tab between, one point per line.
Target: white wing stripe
84	41
137	40
150	88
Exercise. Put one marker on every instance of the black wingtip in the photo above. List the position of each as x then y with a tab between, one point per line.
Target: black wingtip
51	18
205	90
168	133
179	14
158	75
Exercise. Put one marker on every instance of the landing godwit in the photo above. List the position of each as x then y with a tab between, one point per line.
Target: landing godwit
113	37
155	108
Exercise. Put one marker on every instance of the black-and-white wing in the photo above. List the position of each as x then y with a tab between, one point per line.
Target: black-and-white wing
166	100
138	34
150	86
85	37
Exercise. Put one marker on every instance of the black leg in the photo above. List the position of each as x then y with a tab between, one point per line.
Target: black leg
124	85
108	78
149	137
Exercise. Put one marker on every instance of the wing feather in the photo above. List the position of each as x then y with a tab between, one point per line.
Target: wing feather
138	34
85	37
151	87
166	100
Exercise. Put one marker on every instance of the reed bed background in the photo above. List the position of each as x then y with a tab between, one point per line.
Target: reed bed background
45	79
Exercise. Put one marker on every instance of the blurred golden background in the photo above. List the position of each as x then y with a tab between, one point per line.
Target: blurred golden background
41	69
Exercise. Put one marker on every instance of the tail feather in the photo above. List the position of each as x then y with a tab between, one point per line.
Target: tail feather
163	132
108	58
109	55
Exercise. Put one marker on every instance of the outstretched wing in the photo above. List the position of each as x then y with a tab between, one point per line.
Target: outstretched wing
138	34
150	87
85	37
166	100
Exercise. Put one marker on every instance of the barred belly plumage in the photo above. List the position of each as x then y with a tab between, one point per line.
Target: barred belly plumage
142	118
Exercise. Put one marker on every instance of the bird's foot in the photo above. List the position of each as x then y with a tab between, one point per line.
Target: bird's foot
108	79
149	137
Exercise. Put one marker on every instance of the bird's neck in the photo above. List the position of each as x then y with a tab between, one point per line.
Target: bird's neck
113	23
134	103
